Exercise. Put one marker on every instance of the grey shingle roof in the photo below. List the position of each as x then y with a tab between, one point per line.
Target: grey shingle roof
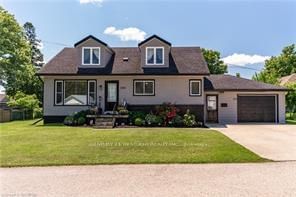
183	61
232	83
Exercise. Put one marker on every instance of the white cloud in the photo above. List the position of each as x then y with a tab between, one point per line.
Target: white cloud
244	59
126	34
96	2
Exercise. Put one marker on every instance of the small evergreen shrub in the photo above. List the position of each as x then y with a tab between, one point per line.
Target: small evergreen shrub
139	122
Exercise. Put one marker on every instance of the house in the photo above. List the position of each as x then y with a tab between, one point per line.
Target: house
92	73
5	111
288	79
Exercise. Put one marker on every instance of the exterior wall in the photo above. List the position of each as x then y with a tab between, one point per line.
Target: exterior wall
229	114
105	52
155	43
174	89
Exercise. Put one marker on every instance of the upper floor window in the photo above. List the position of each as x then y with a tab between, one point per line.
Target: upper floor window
195	87
91	55
154	55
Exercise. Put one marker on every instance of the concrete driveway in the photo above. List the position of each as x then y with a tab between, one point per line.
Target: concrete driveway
272	141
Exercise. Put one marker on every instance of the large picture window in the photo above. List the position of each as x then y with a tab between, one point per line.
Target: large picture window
154	55
144	87
195	87
75	92
91	55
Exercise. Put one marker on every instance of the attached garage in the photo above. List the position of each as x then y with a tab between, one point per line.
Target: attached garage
256	108
240	100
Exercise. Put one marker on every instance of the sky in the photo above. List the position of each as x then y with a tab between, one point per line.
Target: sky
245	32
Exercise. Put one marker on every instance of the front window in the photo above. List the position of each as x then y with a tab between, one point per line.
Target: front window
91	55
75	92
144	87
195	87
154	55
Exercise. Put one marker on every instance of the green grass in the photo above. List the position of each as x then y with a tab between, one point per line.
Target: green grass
290	119
24	144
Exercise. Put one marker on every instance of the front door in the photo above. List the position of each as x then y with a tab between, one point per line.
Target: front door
111	95
212	108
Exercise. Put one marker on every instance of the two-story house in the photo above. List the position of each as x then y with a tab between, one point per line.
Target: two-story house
92	73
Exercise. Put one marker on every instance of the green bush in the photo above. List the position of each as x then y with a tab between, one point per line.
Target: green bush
151	120
159	121
189	119
81	120
133	115
139	122
69	120
177	121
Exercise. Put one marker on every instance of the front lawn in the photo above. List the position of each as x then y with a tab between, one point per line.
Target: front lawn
24	144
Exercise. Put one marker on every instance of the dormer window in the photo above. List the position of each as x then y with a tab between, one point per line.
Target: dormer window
91	55
154	55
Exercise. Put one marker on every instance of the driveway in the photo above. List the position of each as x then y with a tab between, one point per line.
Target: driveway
262	179
272	141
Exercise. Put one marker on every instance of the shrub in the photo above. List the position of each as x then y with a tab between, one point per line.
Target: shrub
133	115
177	121
69	120
189	119
138	122
81	120
159	120
78	118
151	119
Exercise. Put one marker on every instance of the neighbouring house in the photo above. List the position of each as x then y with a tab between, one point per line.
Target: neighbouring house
5	111
288	79
92	73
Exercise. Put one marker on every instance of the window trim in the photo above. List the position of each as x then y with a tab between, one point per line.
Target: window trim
200	87
91	56
55	92
63	82
154	59
143	80
88	92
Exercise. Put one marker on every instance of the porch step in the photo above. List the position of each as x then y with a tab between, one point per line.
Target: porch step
104	123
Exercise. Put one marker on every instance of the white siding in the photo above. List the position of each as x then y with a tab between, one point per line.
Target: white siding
174	89
229	114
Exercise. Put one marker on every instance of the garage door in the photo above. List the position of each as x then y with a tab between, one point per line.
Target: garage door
256	108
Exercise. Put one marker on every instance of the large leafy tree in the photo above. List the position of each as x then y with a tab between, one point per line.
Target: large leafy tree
213	59
14	48
278	66
36	55
291	98
17	72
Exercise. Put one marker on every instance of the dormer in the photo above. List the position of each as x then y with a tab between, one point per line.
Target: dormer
154	52
93	52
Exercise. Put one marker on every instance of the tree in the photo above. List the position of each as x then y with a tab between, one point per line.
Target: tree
213	59
29	103
17	72
291	98
36	55
278	66
238	75
14	49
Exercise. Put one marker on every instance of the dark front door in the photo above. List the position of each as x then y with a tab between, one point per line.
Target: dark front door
212	108
256	108
111	95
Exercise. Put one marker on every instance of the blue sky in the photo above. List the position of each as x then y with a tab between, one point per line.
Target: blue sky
253	30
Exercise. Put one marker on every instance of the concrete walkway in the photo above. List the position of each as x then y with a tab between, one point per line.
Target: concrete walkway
272	141
264	179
